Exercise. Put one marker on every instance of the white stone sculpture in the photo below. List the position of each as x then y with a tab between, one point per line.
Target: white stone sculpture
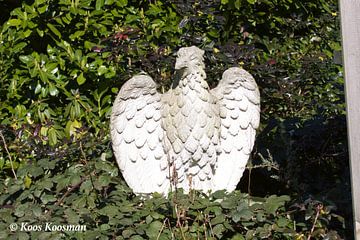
191	137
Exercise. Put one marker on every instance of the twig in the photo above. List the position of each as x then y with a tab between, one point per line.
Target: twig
166	220
318	210
161	229
86	165
58	202
263	166
205	230
207	220
79	183
69	191
249	181
83	153
182	232
178	221
7	151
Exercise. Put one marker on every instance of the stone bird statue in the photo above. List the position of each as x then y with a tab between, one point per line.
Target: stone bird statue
191	137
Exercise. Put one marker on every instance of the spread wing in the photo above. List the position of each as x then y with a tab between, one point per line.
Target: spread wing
137	136
239	101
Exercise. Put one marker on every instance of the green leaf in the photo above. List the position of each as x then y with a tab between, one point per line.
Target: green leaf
44	131
80	202
26	59
42	9
260	217
86	187
105	227
38	88
109	210
43	76
156	215
282	222
217	210
19	13
214	33
238	237
102	69
218	230
122	3
20	210
53	90
131	18
251	1
72	216
76	109
127	233
89	45
219	194
46	184
14	22
114	90
39	2
71	128
104	180
274	202
241	214
218	219
154	229
99	4
76	35
40	32
81	79
52	136
54	30
75	179
237	4
148	219
37	211
18	47
126	221
46	198
27	33
27	181
36	171
136	237
228	203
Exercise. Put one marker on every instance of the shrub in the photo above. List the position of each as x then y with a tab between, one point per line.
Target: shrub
62	62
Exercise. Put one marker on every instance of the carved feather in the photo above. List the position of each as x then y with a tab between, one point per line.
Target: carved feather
140	136
238	127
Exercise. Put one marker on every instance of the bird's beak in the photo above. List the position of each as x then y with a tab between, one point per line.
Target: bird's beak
179	65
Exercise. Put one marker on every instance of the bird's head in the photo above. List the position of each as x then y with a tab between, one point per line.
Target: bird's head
189	58
138	85
238	77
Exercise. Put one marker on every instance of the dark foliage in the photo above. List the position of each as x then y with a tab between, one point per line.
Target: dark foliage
62	63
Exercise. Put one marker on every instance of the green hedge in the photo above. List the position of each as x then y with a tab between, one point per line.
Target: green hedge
62	63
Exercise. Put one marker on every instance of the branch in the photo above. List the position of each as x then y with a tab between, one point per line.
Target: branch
318	210
7	151
69	191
